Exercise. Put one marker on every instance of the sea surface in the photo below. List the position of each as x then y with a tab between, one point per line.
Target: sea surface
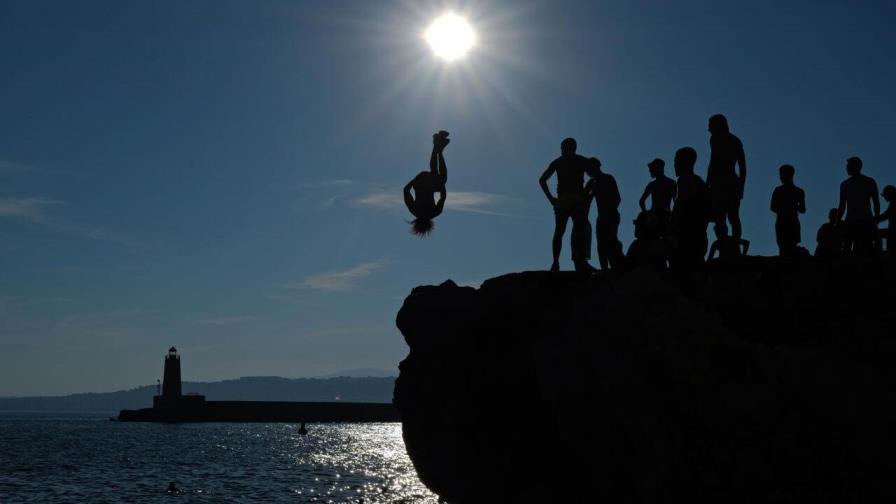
87	458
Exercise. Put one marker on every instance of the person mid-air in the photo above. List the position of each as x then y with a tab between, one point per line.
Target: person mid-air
422	203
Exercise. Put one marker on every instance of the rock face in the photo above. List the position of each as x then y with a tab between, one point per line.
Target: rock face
764	380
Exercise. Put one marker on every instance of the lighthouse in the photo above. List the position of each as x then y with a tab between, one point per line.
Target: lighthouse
171	379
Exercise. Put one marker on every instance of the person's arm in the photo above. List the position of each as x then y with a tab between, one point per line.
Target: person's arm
712	250
841	207
875	198
746	245
543	182
644	198
801	205
774	205
614	190
408	197
885	215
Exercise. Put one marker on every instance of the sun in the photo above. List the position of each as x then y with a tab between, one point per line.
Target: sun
450	36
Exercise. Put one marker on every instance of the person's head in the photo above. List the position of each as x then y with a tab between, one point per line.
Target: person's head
685	159
656	167
786	172
422	227
889	193
594	165
854	166
568	146
718	124
832	215
424	214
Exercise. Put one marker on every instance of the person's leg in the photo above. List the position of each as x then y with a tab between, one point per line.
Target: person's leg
718	215
733	212
617	255
579	219
560	219
600	235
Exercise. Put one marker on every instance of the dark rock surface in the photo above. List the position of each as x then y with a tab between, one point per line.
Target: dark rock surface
766	380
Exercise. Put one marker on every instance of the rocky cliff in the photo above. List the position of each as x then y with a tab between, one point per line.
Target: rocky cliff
764	380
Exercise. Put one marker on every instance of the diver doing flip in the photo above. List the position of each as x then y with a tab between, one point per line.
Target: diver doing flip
421	202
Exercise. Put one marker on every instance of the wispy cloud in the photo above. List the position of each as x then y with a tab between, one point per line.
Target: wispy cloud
30	208
340	280
224	321
12	167
458	201
35	210
317	184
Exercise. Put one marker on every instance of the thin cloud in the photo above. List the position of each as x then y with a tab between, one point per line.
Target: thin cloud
29	208
341	280
458	201
224	321
317	184
11	167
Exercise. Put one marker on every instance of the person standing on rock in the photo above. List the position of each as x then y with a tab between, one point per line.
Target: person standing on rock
421	203
603	188
858	194
788	201
661	191
726	187
570	203
690	215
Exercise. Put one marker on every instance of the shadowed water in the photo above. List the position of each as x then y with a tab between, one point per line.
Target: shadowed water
77	458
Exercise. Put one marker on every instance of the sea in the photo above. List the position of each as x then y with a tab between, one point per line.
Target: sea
89	458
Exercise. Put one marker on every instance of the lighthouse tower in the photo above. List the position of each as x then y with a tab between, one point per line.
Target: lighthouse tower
171	379
172	398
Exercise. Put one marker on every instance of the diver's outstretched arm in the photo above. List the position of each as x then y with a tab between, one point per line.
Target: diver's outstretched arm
408	197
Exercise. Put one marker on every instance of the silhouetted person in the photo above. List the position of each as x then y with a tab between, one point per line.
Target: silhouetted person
830	237
649	248
602	187
422	203
661	190
889	216
857	195
727	247
302	429
726	186
690	214
788	201
571	202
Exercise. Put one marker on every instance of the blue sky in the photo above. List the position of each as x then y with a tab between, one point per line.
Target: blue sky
225	176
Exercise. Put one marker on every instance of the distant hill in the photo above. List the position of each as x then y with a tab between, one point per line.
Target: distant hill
252	388
363	373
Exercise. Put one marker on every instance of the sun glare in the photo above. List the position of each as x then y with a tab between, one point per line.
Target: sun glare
450	36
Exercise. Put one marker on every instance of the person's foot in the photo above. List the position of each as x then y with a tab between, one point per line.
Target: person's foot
584	267
555	267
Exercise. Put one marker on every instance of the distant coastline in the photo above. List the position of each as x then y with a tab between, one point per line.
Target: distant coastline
374	389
